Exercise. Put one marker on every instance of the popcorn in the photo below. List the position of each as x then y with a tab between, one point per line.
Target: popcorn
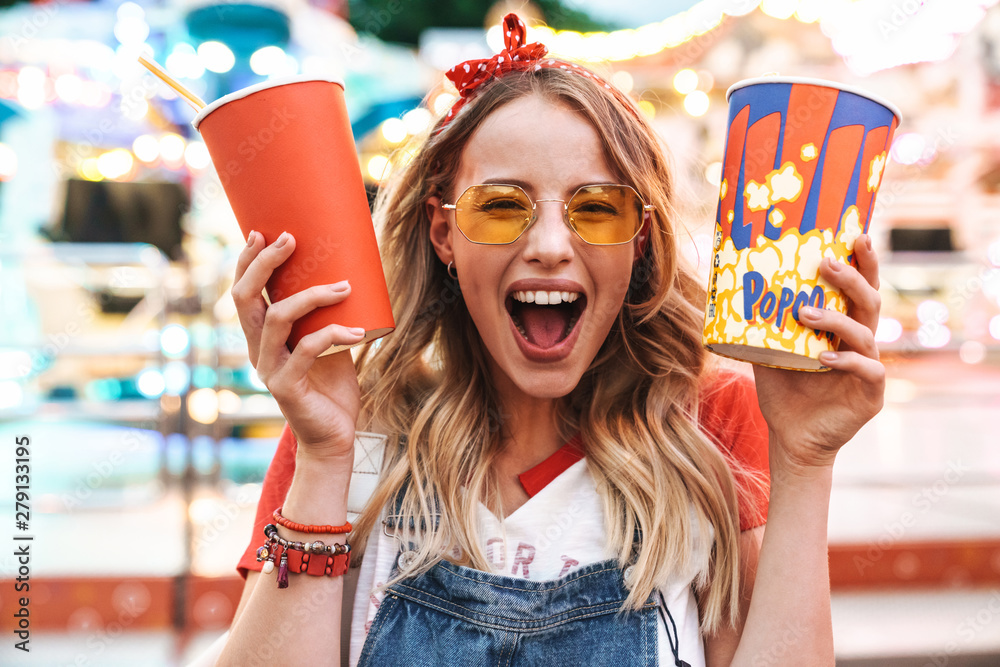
785	183
875	172
752	308
831	145
758	196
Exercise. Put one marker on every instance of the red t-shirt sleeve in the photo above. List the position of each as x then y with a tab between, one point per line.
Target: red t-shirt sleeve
730	415
276	482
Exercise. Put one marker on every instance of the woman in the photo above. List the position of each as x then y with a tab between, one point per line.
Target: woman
560	483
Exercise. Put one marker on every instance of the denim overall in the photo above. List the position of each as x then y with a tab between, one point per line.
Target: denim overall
459	616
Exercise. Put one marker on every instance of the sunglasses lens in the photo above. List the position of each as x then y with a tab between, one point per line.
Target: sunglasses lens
493	213
606	214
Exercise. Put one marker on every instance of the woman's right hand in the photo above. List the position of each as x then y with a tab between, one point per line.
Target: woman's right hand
319	396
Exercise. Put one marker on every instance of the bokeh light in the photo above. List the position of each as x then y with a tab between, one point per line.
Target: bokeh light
150	383
933	335
623	80
131	30
31	87
175	340
196	155
172	147
910	148
993	253
810	11
686	81
216	57
394	130
269	60
995	327
779	9
203	405
379	167
889	330
972	352
932	311
229	401
696	103
89	170
443	102
69	88
146	148
713	174
115	163
176	377
417	120
183	62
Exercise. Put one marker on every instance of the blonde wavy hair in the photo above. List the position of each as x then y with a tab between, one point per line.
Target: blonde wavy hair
428	384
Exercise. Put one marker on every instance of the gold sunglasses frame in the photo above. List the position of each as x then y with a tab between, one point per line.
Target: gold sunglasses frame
646	209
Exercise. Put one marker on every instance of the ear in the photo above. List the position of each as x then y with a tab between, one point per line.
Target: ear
642	240
440	230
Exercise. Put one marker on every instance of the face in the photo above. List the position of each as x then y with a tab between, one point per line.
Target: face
543	304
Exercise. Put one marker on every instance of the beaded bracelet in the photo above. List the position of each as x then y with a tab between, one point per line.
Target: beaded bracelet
315	558
309	528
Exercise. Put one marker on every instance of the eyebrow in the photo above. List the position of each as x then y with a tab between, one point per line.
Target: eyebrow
527	187
524	185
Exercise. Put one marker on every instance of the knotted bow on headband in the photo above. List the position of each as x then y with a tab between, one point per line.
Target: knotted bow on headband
516	57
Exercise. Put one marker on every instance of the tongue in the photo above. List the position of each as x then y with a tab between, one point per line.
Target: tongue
544	325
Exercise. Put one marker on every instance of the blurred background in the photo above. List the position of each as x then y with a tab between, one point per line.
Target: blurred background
122	359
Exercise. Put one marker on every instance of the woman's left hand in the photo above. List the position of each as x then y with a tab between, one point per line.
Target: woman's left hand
811	415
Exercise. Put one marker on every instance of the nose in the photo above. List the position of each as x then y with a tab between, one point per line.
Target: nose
549	238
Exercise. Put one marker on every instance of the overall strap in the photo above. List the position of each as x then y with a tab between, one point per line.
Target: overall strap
369	454
393	521
673	637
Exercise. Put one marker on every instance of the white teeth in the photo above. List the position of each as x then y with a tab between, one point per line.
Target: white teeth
546	298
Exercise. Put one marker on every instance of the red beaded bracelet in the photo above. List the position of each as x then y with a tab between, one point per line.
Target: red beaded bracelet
309	528
315	558
317	564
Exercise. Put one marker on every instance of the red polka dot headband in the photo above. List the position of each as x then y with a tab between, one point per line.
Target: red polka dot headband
516	57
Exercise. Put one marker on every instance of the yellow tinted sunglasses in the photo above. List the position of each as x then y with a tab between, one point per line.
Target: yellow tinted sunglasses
498	214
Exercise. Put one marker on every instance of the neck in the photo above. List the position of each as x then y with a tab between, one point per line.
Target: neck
529	435
529	429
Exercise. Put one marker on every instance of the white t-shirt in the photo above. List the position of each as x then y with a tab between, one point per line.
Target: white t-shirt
558	530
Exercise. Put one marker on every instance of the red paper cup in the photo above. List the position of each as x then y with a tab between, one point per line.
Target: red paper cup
285	154
803	162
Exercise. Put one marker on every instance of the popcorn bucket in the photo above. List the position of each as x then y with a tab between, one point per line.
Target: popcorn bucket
285	154
803	162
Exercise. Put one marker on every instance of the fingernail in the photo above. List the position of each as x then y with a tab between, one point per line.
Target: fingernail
357	331
808	312
835	265
868	241
282	240
828	356
340	287
250	239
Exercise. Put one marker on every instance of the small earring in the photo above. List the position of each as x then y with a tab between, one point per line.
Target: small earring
452	273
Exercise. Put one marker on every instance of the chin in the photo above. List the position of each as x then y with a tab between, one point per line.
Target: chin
548	388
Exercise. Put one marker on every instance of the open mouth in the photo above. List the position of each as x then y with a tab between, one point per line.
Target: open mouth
545	318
